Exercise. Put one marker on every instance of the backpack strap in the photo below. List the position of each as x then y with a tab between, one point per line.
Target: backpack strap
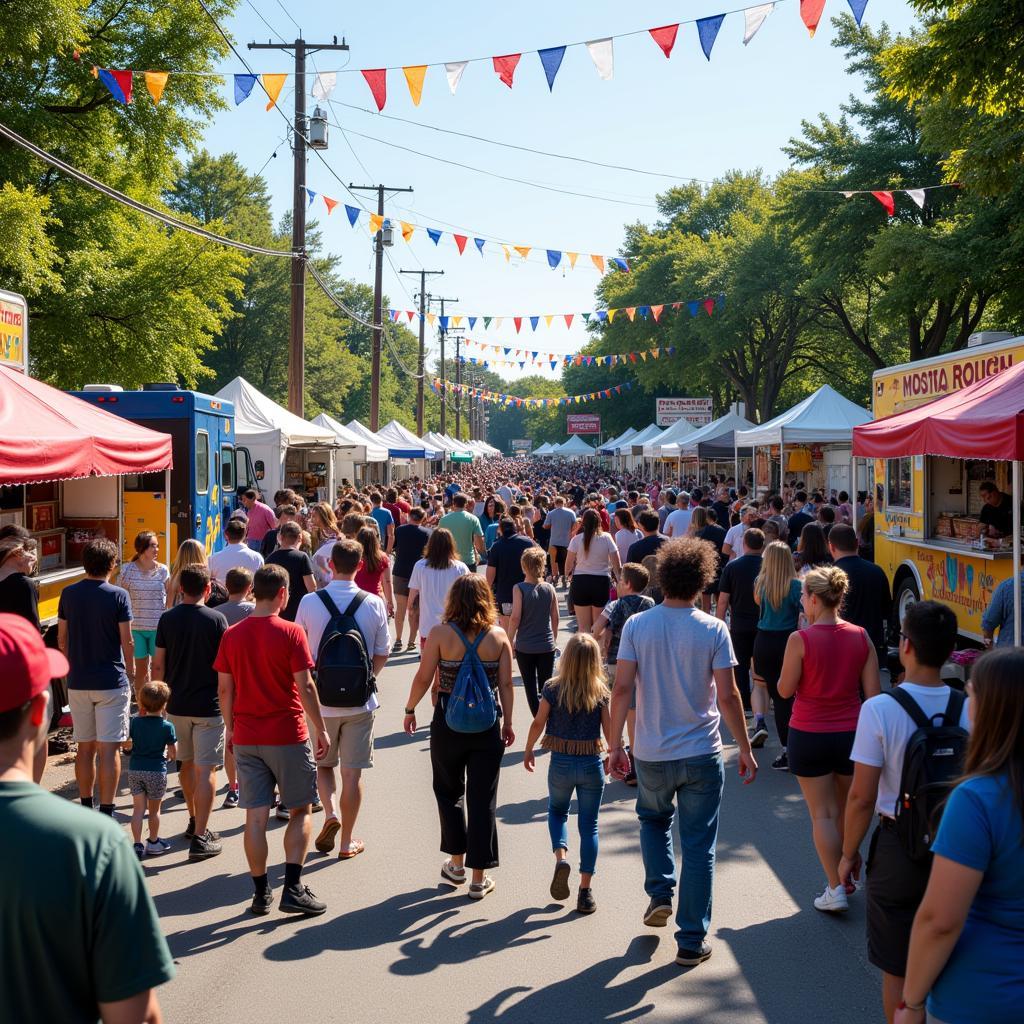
354	604
912	708
955	708
332	608
465	643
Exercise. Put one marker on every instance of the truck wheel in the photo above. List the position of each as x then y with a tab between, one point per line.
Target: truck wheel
906	595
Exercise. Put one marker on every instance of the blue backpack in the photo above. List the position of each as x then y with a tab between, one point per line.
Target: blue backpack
471	705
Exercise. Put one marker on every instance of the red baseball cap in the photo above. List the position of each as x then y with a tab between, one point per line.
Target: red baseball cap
26	664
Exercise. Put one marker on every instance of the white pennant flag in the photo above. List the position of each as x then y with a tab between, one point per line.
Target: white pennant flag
847	195
602	56
324	84
454	73
917	194
753	18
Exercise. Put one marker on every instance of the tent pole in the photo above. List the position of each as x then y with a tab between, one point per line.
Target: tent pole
736	460
167	512
782	463
1016	553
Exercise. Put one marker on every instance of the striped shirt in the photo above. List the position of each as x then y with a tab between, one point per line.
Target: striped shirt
147	591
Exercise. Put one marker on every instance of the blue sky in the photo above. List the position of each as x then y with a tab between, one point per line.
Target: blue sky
685	116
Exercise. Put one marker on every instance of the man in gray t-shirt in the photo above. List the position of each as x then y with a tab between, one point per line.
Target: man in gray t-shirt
560	521
679	662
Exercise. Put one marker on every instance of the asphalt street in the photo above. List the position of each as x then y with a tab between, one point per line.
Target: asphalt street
400	943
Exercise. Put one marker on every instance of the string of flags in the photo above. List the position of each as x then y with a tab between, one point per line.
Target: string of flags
647	311
497	398
887	197
577	359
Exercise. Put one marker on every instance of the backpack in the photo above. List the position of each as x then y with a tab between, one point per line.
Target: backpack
471	705
932	762
344	672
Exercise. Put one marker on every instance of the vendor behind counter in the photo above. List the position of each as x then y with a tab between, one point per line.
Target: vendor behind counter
997	511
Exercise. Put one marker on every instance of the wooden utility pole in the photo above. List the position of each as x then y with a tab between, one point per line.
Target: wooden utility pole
443	335
424	298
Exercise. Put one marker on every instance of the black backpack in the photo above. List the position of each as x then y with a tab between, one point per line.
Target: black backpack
344	671
932	762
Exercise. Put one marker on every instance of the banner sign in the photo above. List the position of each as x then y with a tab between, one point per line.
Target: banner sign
521	446
13	331
582	423
694	410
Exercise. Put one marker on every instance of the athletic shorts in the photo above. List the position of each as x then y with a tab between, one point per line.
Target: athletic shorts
351	741
813	754
400	585
100	715
200	740
145	642
589	591
559	559
289	767
151	785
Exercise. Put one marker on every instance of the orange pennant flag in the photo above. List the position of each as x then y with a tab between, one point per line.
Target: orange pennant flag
508	255
407	230
598	262
273	84
330	204
523	250
156	81
656	311
376	222
414	79
573	257
631	312
655	352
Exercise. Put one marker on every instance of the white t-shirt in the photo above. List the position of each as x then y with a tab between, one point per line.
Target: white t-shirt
371	618
433	586
322	561
734	538
883	731
234	556
506	494
624	540
595	561
678	522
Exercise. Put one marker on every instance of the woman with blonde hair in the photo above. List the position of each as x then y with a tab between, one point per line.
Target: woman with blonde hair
777	591
826	668
323	532
466	764
190	552
374	572
148	584
573	714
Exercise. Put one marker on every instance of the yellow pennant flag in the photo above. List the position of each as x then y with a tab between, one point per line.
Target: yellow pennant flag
643	356
508	255
611	315
156	81
407	230
414	79
523	250
573	257
631	312
376	222
598	262
273	85
548	318
458	321
431	318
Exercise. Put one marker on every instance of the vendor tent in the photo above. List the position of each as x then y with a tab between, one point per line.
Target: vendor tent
670	435
715	440
455	450
575	447
545	449
635	444
610	446
404	444
365	450
825	417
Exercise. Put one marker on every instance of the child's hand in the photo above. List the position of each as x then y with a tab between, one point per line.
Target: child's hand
528	760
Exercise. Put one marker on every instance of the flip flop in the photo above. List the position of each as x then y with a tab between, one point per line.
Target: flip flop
325	841
357	848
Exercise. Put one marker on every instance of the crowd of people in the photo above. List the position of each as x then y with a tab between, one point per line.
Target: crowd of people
695	609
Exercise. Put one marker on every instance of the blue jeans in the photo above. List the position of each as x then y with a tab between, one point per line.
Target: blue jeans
694	785
583	773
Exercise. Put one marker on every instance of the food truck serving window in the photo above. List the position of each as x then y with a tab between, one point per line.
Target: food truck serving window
227	469
899	483
202	462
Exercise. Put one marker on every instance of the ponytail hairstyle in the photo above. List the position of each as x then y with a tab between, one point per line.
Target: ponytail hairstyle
142	542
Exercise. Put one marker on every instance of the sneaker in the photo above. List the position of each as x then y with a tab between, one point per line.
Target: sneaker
454	875
156	847
282	813
759	735
560	881
230	799
585	902
190	828
140	850
205	846
781	763
832	901
659	910
299	899
478	890
692	957
261	903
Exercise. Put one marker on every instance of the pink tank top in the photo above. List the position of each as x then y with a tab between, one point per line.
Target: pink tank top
828	694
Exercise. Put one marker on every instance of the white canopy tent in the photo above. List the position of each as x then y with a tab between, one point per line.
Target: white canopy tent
674	432
404	444
714	435
354	450
574	448
270	431
449	446
545	449
610	446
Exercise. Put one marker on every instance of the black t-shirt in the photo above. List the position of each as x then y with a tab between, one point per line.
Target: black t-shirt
721	509
645	546
869	600
410	540
797	521
1000	516
714	534
269	544
18	596
504	557
190	636
738	582
298	565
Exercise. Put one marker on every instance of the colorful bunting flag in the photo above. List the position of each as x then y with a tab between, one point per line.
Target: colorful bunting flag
352	212
534	320
330	204
273	84
887	200
479	243
665	37
377	80
414	79
631	313
505	67
376	223
523	250
810	14
243	86
551	61
602	54
568	320
598	262
323	84
573	257
694	308
754	18
460	241
518	321
709	306
434	235
407	230
312	196
554	258
619	262
857	6
118	83
707	30
156	82
917	194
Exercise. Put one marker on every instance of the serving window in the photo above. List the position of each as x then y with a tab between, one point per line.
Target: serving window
899	483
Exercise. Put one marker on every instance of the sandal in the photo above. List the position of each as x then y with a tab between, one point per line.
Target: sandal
411	646
396	649
478	890
453	874
356	848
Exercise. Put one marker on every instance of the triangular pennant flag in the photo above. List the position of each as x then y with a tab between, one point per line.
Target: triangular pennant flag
273	84
553	364
694	307
573	257
707	29
330	204
407	230
665	37
323	84
118	83
472	322
534	320
810	14
312	196
644	311
156	82
460	241
554	258
709	305
243	86
586	317
431	319
677	305
917	194
434	234
353	214
507	350
602	54
487	322
611	315
753	19
533	355
848	195
377	80
601	315
655	352
498	321
409	314
522	366
548	317
620	263
656	312
643	356
376	223
598	262
632	357
523	250
518	321
443	321
508	255
551	61
631	313
457	320
505	67
414	79
721	301
453	70
568	319
479	243
857	6
887	200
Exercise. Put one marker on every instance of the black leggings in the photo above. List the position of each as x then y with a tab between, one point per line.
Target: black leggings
769	650
535	670
743	647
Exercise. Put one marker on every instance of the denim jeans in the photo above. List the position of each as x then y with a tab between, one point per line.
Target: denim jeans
583	773
694	786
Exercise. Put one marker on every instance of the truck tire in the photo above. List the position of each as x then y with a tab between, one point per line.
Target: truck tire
906	595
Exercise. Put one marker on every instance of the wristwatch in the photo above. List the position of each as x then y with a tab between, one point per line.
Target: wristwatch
410	711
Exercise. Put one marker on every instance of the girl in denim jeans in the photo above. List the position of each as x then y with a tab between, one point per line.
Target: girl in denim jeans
574	710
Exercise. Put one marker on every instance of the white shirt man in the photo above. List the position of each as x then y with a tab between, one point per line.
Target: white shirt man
678	522
733	545
236	554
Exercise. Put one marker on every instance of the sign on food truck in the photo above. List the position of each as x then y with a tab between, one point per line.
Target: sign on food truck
694	410
13	331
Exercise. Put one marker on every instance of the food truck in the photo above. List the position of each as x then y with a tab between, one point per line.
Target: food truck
929	538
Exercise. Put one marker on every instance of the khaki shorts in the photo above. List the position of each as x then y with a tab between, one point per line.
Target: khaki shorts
289	767
200	739
351	741
100	715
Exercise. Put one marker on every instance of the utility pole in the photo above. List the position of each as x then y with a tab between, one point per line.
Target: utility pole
378	293
458	385
424	299
297	314
443	335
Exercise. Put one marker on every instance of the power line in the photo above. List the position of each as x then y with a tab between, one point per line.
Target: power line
288	15
264	20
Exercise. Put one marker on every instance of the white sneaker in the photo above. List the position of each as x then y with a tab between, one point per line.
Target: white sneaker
832	901
156	847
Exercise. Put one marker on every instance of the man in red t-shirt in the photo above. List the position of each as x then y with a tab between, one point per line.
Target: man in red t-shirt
266	694
394	506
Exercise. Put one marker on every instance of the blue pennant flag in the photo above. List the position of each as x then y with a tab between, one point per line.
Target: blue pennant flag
857	6
554	363
619	262
671	350
551	59
243	86
693	307
353	214
602	315
435	235
534	320
311	194
522	366
479	243
533	355
507	351
554	258
644	311
443	321
629	385
472	322
721	301
707	29
113	85
607	360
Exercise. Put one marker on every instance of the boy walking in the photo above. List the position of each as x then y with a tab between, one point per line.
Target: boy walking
152	741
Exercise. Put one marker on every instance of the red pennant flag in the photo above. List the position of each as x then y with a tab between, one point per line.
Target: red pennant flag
656	312
709	305
377	80
676	305
632	357
810	13
506	66
568	319
409	315
330	204
460	241
665	37
887	200
518	321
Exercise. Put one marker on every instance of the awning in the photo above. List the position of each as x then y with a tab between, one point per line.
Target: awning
354	446
260	420
46	434
826	417
404	444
